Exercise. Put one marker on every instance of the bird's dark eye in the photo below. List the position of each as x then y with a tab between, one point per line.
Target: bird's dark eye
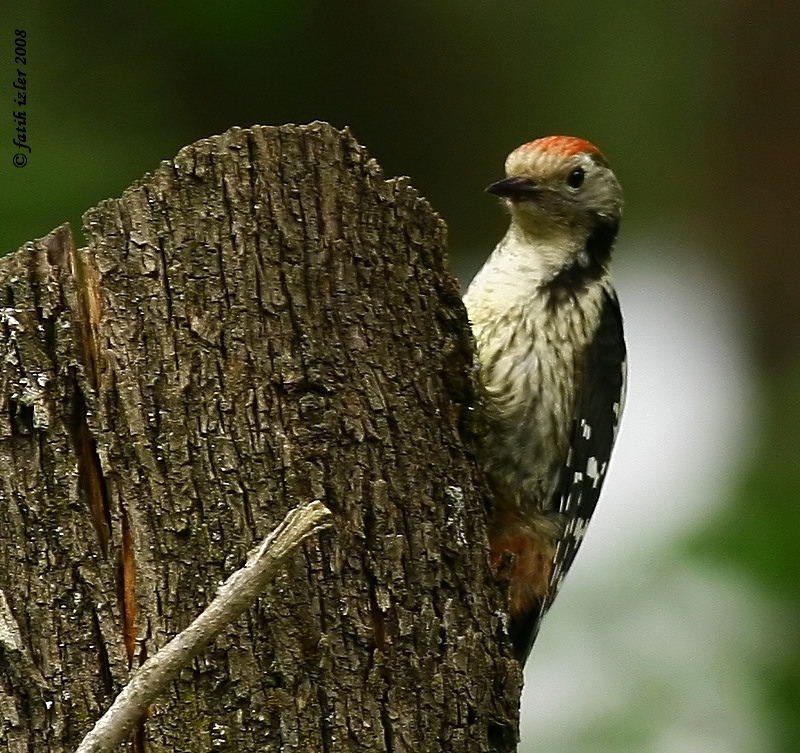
575	178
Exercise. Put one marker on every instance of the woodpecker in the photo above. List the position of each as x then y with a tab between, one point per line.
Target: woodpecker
552	365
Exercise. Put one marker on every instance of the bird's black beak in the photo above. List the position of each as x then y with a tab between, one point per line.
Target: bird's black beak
513	188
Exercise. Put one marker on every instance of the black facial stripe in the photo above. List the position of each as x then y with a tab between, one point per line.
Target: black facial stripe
588	266
601	239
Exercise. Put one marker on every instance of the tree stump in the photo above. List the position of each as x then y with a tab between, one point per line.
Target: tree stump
263	321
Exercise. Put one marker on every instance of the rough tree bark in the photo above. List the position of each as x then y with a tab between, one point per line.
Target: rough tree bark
263	321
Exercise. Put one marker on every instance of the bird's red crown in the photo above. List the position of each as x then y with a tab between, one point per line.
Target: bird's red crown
566	146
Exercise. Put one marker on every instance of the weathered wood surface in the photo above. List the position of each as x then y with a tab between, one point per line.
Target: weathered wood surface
262	321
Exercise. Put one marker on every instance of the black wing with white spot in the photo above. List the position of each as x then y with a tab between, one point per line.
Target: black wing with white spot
598	410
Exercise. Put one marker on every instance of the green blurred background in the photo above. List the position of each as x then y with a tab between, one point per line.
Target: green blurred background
697	106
